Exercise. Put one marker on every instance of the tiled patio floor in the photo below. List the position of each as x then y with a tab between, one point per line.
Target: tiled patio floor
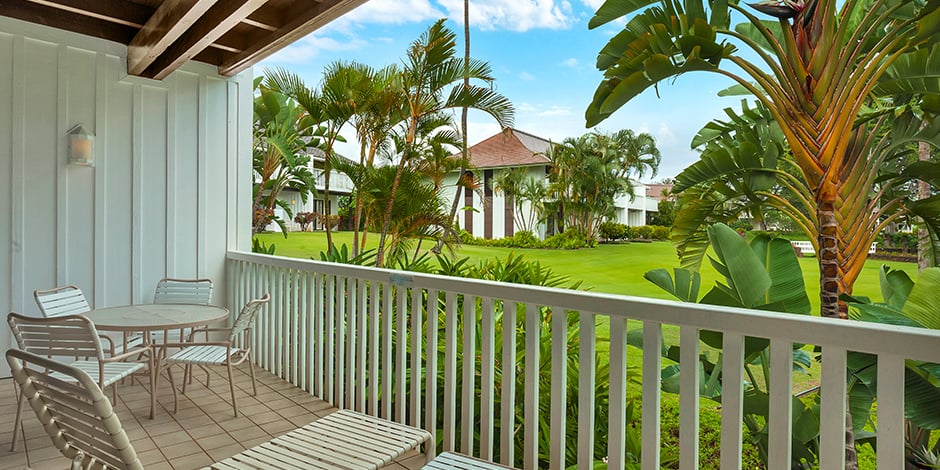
203	431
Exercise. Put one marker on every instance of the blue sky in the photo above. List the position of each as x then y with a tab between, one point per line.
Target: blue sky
542	55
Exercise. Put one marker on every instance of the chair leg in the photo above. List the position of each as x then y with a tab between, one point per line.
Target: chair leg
187	370
18	422
169	374
231	387
251	370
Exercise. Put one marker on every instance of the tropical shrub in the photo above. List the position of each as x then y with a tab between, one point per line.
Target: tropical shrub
258	246
570	239
613	231
305	219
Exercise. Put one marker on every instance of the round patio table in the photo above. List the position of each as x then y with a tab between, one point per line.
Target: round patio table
147	318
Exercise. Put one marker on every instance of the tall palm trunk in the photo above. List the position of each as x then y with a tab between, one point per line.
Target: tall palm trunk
326	202
358	213
463	114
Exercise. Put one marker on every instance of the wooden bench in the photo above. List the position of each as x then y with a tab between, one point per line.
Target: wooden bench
344	439
451	460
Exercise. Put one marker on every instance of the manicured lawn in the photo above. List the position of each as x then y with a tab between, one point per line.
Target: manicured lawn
615	269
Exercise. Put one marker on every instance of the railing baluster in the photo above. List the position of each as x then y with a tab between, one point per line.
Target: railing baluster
533	338
417	319
652	378
272	319
310	342
832	409
329	309
688	398
296	360
374	355
469	375
617	420
401	359
507	419
587	339
351	314
339	310
450	372
279	328
387	350
487	375
319	311
732	400
430	402
559	384
362	314
781	404
890	411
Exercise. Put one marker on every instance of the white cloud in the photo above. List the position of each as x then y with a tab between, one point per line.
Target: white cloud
394	12
665	136
555	111
570	62
518	15
593	4
312	46
526	76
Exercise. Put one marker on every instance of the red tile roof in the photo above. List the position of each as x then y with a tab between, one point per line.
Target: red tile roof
510	149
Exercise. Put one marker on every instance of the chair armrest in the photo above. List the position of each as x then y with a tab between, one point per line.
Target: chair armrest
109	341
126	354
192	334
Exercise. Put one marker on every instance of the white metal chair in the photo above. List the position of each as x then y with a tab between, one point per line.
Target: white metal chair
233	351
74	412
73	337
69	300
180	291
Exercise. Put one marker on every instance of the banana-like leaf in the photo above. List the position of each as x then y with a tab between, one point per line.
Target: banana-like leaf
747	279
922	305
685	286
916	72
780	262
895	286
884	314
929	211
613	9
921	398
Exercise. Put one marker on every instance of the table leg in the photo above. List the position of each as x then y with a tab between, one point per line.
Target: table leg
153	374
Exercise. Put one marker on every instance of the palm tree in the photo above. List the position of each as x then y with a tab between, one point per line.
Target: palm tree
815	66
429	71
331	106
281	135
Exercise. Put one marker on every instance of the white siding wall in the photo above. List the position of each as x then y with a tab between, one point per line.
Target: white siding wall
170	190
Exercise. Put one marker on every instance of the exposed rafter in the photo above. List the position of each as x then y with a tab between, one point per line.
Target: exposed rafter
162	35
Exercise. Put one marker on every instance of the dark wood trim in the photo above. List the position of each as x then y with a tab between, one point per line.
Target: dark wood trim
304	19
165	26
222	17
488	204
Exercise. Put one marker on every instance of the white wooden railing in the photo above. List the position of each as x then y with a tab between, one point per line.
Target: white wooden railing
354	336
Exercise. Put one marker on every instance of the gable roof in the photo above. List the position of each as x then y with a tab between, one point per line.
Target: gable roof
510	149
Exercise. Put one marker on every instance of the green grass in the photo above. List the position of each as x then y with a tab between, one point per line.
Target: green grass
614	269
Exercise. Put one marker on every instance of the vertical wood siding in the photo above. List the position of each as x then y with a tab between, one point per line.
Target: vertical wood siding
170	171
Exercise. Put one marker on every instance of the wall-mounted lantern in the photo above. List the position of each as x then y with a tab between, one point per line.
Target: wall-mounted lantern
81	146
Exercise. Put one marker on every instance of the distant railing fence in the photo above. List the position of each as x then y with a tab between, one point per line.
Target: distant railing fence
362	338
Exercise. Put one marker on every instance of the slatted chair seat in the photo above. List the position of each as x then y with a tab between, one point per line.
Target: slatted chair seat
221	353
455	461
74	412
113	371
73	337
344	439
205	355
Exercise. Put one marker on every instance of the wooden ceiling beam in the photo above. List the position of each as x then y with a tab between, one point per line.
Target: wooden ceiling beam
90	25
217	21
171	19
123	13
301	22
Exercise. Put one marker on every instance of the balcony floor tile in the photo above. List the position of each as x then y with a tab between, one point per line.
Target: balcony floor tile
203	431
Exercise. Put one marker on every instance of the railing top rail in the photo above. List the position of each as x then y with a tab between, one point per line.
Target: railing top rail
875	338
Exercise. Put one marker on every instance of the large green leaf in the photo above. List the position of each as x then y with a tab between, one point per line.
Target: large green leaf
613	9
686	284
916	72
895	286
744	273
923	303
929	211
921	397
786	276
